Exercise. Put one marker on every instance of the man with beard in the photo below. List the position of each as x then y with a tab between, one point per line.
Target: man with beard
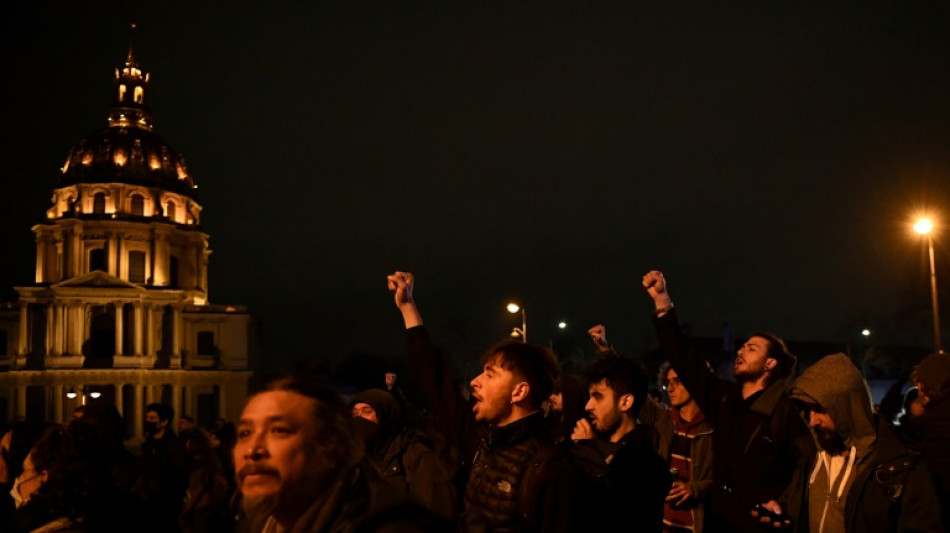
863	480
513	476
624	480
760	442
300	469
163	470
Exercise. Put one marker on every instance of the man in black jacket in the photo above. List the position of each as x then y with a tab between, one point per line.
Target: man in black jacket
760	443
515	478
625	481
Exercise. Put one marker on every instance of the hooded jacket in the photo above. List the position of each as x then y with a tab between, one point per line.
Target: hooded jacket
403	456
875	484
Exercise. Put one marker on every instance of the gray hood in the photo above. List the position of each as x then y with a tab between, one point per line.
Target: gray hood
838	386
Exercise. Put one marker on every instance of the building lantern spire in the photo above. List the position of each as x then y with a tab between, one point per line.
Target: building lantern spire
129	109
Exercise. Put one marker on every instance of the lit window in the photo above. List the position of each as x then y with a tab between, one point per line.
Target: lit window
121	92
137	267
99	203
139	94
170	210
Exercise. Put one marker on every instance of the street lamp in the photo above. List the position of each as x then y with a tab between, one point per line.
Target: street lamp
924	226
523	330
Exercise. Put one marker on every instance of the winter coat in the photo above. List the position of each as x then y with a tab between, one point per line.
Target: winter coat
622	482
514	477
882	486
760	443
361	502
403	456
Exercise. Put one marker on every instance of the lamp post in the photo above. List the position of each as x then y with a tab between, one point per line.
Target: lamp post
523	330
925	227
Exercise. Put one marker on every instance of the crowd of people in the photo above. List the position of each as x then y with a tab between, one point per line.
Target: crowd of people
526	447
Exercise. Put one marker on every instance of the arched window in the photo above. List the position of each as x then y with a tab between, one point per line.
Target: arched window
138	205
139	95
170	210
121	92
99	203
137	267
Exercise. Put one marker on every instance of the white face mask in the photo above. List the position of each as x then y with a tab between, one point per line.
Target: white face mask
15	492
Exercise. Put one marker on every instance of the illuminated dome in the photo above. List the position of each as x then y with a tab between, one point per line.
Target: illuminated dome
127	151
131	155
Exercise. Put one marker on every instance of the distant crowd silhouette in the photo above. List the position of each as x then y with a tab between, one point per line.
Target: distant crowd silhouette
526	446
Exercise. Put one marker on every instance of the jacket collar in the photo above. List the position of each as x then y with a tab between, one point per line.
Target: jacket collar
516	431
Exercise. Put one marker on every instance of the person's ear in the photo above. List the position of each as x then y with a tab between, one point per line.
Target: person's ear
520	392
626	402
770	364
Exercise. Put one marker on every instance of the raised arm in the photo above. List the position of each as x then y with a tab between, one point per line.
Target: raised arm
598	334
401	284
435	377
707	389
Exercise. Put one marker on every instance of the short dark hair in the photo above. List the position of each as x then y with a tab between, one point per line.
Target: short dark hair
535	364
623	374
164	412
186	417
778	350
332	417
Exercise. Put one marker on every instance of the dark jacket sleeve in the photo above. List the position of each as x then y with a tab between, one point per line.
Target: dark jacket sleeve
703	386
436	381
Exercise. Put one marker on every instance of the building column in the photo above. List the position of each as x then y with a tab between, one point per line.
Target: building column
137	331
61	328
24	330
176	332
176	399
118	328
149	394
50	329
223	400
58	404
186	408
150	330
119	390
21	402
139	414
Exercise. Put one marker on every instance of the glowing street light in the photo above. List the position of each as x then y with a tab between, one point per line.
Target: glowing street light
866	332
523	330
561	325
925	226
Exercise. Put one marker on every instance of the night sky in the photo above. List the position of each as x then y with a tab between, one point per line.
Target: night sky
767	157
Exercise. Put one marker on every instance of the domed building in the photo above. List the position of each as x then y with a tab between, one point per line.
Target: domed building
120	310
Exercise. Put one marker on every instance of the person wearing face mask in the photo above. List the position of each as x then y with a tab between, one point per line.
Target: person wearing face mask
403	456
15	444
163	470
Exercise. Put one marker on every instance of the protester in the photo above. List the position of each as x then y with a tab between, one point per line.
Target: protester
67	483
208	494
690	459
517	478
760	444
930	430
300	468
863	480
402	455
566	406
186	425
624	480
163	470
